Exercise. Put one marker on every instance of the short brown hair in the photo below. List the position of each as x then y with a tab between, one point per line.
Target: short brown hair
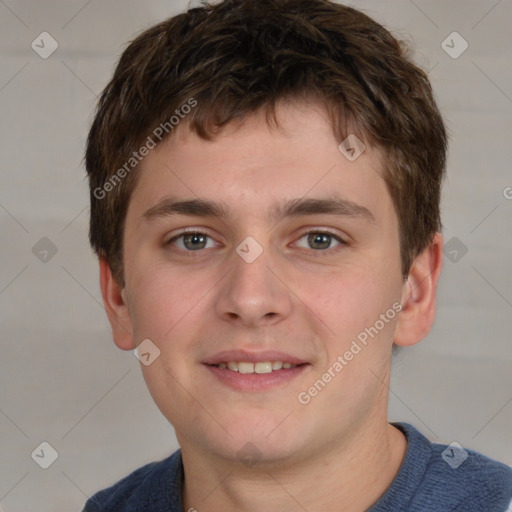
238	56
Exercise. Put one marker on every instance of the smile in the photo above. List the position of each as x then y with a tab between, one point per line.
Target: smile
255	377
260	367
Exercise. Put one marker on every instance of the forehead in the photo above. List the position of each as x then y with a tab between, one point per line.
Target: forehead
255	166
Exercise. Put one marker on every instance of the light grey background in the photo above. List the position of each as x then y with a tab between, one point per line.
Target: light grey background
63	381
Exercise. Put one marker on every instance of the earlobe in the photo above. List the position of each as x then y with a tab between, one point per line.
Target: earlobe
419	295
116	307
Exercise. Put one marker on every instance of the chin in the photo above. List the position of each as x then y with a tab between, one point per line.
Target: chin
258	452
259	441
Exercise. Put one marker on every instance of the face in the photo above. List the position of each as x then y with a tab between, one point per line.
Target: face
292	255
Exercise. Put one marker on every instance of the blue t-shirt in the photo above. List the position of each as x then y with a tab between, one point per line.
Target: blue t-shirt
432	478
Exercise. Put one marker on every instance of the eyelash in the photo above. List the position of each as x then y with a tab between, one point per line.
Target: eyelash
316	252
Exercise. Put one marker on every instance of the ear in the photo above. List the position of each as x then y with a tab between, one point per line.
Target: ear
419	295
117	310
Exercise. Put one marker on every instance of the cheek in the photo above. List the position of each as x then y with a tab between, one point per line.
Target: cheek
161	299
351	301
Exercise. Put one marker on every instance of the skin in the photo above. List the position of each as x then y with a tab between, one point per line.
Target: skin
338	452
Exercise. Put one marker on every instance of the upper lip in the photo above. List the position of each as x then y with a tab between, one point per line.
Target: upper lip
252	357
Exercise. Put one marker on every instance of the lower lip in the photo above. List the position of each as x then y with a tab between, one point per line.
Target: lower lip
256	381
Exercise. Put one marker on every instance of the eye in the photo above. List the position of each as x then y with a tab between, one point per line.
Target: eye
320	240
191	241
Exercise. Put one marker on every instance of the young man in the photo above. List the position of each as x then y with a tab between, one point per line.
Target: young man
265	182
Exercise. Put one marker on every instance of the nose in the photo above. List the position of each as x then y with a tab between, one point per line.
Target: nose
254	293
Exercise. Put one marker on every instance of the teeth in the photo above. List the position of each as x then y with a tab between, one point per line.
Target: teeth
261	367
246	367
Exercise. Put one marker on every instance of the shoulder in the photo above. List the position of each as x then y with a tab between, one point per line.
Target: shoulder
457	476
155	486
476	477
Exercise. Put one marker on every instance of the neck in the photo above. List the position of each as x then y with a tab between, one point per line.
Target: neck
349	476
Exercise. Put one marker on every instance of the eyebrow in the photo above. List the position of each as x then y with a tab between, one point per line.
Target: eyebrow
290	208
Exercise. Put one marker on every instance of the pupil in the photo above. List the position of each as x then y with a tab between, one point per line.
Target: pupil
319	238
194	238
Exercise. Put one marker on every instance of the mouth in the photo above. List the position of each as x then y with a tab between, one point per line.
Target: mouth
246	371
246	367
